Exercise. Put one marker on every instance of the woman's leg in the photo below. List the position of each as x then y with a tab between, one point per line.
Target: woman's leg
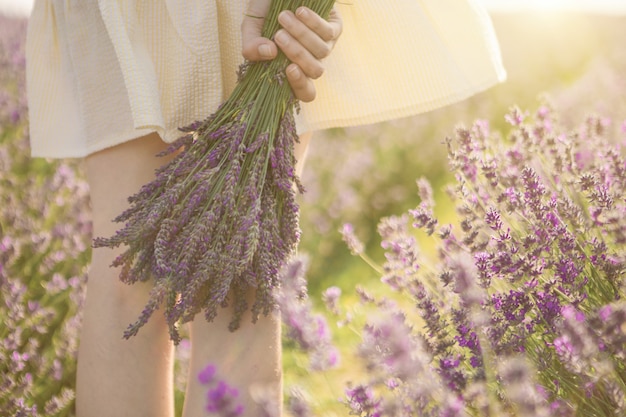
249	359
119	377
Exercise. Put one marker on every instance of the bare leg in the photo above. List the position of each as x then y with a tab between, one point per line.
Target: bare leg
118	377
248	359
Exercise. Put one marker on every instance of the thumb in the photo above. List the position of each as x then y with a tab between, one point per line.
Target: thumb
255	47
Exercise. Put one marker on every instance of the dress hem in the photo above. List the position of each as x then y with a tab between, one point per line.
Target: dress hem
390	114
405	111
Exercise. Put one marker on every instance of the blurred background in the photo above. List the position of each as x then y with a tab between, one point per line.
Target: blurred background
573	59
568	52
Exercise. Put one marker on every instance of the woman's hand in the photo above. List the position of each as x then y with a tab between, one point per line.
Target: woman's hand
305	38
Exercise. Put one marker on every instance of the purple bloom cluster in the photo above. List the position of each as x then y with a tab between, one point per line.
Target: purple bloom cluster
352	241
44	249
309	330
522	313
528	398
297	404
362	401
13	108
221	397
401	252
403	380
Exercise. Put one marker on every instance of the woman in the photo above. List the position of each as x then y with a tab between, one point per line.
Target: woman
111	81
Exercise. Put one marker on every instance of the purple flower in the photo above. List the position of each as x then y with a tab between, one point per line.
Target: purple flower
389	344
535	274
605	312
521	388
454	377
331	299
549	306
207	375
515	117
362	401
310	331
298	405
401	252
221	397
465	273
571	313
44	235
354	244
563	346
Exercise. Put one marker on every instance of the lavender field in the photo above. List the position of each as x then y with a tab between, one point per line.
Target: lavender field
466	262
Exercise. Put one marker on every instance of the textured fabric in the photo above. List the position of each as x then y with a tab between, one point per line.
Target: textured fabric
103	72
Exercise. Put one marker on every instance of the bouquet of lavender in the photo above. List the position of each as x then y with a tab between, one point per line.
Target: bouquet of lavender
220	219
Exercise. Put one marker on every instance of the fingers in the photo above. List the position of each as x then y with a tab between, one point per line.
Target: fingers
259	49
307	38
299	55
297	25
254	46
301	85
327	30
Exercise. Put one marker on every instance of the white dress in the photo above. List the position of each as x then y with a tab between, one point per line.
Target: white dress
103	72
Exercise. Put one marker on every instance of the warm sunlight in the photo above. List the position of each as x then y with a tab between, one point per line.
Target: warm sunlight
594	6
16	7
458	248
23	7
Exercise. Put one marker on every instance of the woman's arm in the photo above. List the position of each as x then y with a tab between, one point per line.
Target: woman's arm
305	38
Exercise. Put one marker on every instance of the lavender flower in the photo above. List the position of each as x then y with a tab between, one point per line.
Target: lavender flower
221	397
388	343
520	312
402	381
297	404
402	252
521	388
423	215
331	299
363	402
465	273
310	331
44	249
354	244
608	325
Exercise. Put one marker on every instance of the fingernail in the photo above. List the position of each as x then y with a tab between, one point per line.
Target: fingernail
265	51
281	37
301	12
295	73
284	17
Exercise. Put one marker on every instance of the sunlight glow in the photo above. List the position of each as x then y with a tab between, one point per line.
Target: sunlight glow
591	6
16	7
23	7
